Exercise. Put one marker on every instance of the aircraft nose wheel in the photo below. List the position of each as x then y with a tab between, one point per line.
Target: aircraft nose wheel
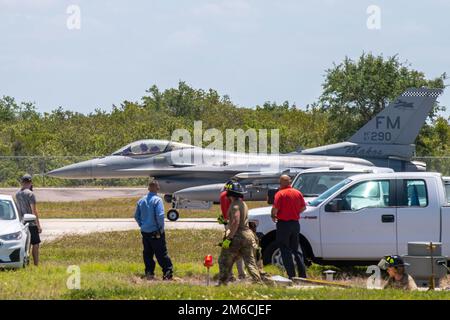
173	215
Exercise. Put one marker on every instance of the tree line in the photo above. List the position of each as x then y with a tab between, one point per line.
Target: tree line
353	92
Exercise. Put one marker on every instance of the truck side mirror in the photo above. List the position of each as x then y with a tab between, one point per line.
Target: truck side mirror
271	195
334	205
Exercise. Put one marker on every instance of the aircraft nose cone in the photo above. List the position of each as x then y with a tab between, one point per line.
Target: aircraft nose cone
82	170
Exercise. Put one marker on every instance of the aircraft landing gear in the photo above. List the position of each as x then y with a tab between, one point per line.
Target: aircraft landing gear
179	203
168	198
173	215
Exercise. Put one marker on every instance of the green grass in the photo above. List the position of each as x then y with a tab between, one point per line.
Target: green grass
117	208
111	268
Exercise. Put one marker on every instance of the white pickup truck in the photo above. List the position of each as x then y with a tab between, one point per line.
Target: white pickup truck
365	217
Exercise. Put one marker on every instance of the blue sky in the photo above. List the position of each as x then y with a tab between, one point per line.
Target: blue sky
252	50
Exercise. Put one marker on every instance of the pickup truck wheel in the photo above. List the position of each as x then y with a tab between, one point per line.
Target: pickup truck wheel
272	255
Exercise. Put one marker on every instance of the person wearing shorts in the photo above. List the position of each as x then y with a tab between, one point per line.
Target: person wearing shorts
26	204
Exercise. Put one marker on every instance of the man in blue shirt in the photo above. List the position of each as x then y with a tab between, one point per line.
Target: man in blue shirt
150	218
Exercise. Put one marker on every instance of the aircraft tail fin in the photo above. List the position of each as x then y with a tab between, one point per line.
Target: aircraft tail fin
391	133
400	122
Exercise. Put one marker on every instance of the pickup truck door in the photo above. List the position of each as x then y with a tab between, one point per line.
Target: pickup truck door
418	213
364	228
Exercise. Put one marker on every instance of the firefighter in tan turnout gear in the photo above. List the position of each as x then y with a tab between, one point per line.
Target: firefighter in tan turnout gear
239	240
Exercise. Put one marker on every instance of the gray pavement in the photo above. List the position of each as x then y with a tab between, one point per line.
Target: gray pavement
55	228
80	193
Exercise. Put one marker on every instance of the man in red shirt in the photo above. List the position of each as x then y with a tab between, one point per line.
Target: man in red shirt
287	207
223	219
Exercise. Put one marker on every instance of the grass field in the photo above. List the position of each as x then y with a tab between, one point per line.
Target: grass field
111	268
117	208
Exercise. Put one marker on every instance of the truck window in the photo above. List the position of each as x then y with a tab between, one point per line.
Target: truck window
313	184
368	194
324	196
415	193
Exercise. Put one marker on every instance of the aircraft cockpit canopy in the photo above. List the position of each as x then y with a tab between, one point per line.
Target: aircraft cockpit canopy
150	147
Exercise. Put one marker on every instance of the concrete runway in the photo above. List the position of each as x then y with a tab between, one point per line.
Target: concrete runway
55	228
79	194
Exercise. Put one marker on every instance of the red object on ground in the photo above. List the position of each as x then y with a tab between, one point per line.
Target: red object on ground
224	204
208	261
290	203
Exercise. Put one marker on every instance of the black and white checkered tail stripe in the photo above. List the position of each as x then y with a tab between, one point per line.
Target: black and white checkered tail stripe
433	93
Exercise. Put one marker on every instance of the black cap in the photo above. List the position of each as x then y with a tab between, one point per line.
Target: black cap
26	178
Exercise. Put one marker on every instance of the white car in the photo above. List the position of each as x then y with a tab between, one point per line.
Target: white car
14	235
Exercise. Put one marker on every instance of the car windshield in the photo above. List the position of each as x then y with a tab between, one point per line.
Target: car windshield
328	193
315	183
6	210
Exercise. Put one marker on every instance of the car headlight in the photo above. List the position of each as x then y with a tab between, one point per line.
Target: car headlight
12	236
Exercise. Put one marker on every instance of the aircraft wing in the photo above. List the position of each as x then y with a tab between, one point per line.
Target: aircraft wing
240	173
191	171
